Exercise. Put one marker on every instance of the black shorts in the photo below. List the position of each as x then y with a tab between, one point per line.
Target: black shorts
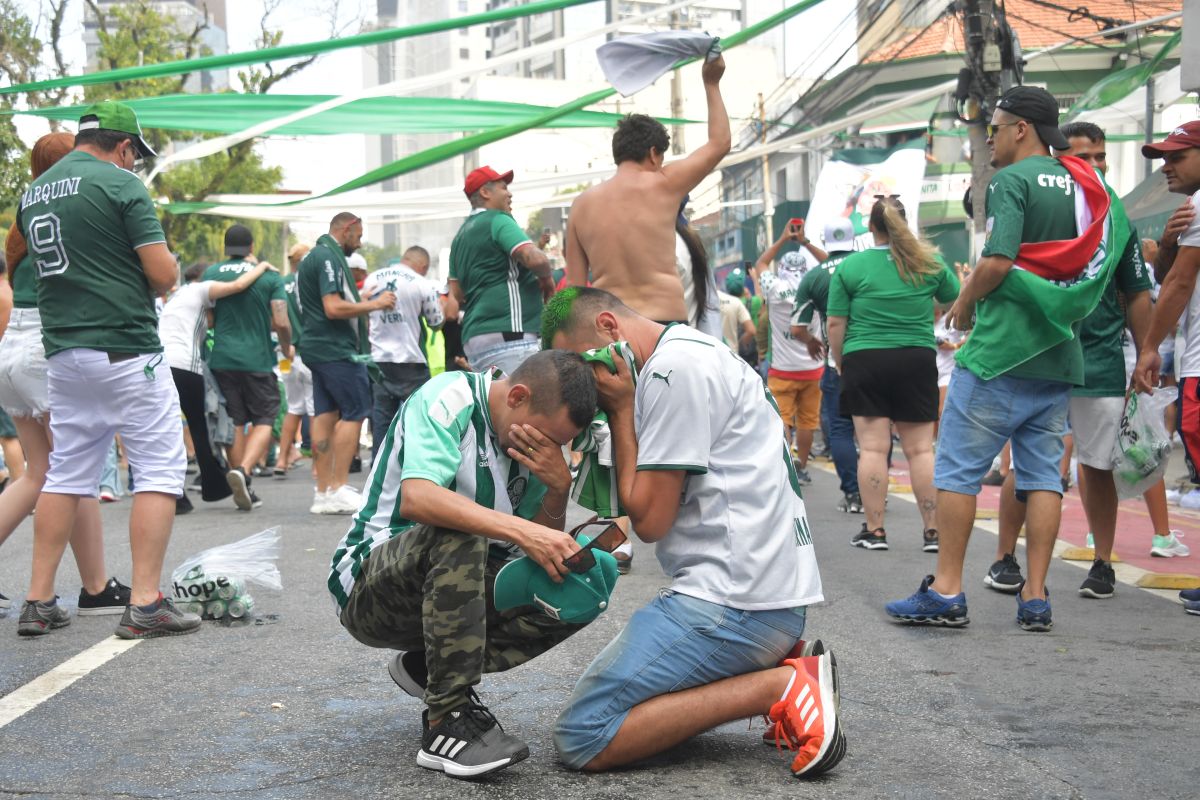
899	383
250	397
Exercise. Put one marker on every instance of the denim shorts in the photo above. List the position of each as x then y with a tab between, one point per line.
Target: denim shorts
980	416
675	642
341	386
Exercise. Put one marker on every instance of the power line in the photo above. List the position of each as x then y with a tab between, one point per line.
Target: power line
816	55
868	75
817	82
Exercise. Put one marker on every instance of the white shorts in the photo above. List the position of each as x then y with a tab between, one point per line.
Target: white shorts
297	384
91	399
23	366
1095	423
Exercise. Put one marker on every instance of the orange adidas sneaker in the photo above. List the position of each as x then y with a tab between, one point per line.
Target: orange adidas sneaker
806	717
802	649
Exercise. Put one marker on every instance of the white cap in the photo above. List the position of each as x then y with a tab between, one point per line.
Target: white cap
793	261
839	236
357	261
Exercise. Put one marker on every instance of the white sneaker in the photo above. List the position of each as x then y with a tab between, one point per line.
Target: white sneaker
1169	546
1173	496
320	503
1190	500
343	500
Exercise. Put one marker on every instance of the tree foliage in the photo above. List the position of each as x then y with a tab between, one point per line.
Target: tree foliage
132	33
21	61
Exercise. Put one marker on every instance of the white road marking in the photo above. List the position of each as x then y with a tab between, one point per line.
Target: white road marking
42	688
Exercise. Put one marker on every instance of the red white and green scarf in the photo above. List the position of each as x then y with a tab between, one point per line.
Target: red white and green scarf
1052	285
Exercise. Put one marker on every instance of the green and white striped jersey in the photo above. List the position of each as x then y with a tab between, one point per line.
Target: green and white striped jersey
444	434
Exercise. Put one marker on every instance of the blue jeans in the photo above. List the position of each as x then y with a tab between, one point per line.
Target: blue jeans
505	355
399	382
839	432
980	416
675	642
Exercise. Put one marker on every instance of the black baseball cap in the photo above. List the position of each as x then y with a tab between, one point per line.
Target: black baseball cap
1038	106
238	241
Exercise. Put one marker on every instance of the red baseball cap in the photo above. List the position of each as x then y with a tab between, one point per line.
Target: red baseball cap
484	174
1185	136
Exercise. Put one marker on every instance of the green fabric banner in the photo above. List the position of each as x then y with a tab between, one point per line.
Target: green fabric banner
228	113
1121	84
442	152
293	50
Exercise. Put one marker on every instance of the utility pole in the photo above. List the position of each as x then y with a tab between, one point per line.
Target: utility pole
983	54
676	97
1147	164
768	205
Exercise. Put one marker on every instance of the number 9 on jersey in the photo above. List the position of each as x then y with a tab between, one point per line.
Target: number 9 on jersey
45	239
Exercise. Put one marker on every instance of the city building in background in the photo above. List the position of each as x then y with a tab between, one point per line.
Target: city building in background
187	14
905	46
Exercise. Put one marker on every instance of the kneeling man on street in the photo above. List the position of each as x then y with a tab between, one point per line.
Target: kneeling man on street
470	470
723	642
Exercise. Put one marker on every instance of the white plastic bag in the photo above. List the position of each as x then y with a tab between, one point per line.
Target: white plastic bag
251	559
1143	445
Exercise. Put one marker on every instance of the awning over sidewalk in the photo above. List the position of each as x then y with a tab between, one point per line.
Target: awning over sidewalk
1149	205
911	118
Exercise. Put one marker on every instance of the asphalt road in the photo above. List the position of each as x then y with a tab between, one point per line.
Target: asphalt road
1106	705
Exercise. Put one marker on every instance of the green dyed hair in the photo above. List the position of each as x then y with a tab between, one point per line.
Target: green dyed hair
556	315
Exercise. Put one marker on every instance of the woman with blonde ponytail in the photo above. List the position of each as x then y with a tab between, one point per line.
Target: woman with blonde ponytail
881	304
23	394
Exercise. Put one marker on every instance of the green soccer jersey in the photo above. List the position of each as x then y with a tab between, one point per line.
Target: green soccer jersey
84	220
293	303
1100	336
325	339
242	321
813	295
885	310
443	434
1033	200
502	296
24	284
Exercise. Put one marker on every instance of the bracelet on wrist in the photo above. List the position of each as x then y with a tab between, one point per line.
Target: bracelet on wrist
551	514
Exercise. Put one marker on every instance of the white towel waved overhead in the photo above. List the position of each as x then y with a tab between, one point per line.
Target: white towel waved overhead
632	63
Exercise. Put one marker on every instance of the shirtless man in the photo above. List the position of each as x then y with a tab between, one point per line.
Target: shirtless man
623	230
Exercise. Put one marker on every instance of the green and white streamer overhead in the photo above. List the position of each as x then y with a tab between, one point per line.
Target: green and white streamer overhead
450	149
291	51
1115	87
226	113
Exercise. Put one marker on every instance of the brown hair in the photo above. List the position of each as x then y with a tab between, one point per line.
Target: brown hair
914	257
47	151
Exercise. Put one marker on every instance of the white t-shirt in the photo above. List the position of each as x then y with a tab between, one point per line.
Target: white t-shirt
182	326
733	316
741	538
1187	361
945	358
779	292
395	334
711	323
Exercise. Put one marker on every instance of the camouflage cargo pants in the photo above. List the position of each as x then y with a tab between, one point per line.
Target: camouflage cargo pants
431	589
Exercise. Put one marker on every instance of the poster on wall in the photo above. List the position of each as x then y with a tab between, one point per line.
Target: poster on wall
852	180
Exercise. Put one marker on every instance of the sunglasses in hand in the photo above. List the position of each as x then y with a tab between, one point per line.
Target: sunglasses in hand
605	535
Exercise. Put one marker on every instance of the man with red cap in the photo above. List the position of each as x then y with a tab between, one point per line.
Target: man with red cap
498	276
1178	300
